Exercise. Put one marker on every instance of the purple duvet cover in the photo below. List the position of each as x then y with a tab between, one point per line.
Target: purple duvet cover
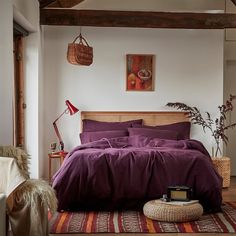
124	173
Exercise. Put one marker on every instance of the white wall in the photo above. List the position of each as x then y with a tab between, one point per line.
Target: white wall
230	88
230	84
26	13
6	73
188	68
29	10
32	79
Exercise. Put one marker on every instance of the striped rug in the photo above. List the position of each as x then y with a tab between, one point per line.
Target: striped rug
136	222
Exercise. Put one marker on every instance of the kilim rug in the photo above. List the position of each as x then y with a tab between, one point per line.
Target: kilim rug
136	222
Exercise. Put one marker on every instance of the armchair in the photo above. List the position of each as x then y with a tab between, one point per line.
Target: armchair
28	200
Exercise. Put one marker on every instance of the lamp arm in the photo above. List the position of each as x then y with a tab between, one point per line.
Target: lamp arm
60	115
57	131
59	136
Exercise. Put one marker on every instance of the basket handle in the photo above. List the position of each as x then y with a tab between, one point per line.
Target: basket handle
81	39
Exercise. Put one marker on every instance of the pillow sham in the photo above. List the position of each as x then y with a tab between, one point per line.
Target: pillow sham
87	137
93	125
153	133
182	128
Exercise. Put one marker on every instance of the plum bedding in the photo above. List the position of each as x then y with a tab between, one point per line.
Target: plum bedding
125	172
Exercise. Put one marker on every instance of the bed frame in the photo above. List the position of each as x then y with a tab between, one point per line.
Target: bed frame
149	117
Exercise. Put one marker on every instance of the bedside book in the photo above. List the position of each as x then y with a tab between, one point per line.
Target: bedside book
179	203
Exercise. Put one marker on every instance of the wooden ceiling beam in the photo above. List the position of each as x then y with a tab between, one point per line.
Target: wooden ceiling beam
65	3
59	3
137	19
45	3
234	2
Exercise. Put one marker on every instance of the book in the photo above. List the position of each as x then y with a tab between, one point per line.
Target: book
179	203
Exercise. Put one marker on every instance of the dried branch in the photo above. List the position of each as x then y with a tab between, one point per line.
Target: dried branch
217	127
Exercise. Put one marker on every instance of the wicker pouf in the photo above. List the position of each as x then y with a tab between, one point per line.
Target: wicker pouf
222	165
161	211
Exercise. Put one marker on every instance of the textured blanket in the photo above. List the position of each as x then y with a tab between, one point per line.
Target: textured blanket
123	173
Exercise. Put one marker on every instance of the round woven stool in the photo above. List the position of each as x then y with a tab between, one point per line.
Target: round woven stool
161	211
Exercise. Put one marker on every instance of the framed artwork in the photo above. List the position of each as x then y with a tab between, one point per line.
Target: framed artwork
139	72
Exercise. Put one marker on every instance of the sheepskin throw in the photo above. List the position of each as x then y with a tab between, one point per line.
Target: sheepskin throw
21	157
32	188
29	202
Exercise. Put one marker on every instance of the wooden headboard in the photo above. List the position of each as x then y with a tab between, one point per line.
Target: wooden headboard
149	117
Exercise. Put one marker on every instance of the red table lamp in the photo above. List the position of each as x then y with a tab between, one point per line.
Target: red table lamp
70	109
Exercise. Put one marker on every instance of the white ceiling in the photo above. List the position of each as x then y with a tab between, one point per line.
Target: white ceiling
154	5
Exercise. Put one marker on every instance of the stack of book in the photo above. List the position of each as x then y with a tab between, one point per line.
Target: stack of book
180	203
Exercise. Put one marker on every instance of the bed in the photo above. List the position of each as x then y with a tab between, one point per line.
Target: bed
121	164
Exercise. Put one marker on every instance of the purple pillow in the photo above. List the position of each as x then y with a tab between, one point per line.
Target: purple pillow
93	125
182	128
87	137
153	133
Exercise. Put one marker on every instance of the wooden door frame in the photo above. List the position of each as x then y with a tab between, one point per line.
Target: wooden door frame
19	92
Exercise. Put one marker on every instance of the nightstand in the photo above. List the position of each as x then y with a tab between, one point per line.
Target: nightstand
54	155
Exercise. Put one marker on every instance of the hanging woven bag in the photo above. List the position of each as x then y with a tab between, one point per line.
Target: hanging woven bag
80	53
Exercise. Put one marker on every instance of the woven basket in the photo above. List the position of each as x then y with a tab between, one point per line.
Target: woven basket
158	210
222	165
80	53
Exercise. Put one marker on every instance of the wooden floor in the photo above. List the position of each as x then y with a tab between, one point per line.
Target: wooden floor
229	194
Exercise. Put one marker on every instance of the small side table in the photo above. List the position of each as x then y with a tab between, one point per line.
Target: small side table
54	155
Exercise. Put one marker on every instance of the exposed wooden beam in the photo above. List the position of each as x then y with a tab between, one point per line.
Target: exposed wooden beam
45	3
234	2
65	3
59	3
137	19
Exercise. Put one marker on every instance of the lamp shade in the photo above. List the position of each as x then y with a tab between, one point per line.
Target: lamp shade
72	109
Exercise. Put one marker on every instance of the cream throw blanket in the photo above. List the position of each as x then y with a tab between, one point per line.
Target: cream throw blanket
10	177
28	200
20	156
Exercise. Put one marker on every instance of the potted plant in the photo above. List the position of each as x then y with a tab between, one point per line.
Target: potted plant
217	127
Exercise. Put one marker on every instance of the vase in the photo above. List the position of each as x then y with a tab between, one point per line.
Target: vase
222	166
